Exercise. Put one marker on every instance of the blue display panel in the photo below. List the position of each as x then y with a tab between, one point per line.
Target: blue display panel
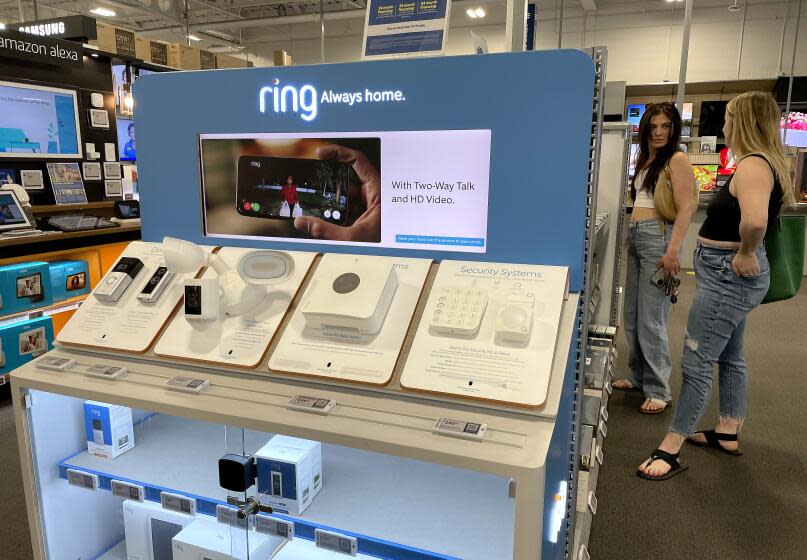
38	122
536	108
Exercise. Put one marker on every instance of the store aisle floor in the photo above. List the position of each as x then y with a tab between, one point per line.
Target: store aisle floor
15	540
749	507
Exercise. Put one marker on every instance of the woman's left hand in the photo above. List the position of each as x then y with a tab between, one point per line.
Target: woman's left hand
745	265
671	265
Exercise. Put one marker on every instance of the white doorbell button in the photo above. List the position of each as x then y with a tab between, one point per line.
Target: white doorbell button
458	311
118	279
514	320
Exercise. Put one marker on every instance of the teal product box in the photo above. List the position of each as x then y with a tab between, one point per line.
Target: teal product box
23	341
68	279
24	286
109	427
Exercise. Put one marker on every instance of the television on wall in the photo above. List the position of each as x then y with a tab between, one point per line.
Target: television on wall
38	122
796	129
712	118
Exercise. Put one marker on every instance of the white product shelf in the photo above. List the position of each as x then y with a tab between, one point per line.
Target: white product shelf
431	507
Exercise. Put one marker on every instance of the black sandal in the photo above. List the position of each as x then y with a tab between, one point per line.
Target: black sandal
675	466
713	440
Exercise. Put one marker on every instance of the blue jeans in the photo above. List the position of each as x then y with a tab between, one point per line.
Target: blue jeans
646	311
715	335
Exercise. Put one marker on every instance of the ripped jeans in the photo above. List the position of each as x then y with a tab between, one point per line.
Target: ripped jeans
715	335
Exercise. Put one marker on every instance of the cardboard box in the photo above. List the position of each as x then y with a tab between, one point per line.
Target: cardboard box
149	528
289	473
282	58
190	58
109	427
115	39
155	52
24	286
227	61
207	60
211	540
69	279
22	342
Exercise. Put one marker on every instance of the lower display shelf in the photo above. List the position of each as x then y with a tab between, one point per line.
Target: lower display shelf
418	503
295	550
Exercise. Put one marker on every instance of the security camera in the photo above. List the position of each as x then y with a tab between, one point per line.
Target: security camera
237	297
183	256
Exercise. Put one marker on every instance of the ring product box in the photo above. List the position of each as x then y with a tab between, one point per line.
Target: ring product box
110	432
23	341
24	286
69	279
350	291
150	530
115	283
289	473
210	540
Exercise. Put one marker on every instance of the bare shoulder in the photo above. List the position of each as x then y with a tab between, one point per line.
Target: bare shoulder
680	163
754	169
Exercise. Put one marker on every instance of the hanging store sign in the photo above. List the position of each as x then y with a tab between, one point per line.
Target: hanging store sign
400	28
30	48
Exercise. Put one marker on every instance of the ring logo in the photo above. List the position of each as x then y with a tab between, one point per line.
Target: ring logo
288	98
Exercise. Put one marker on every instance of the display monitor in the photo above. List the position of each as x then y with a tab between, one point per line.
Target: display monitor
712	118
706	177
796	129
12	215
38	122
686	120
126	140
634	156
30	287
635	113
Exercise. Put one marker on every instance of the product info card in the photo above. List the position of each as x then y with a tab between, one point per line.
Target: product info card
412	190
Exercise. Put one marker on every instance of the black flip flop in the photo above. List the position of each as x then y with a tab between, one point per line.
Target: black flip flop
675	466
713	440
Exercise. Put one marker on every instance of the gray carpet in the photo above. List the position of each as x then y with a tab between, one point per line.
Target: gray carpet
749	507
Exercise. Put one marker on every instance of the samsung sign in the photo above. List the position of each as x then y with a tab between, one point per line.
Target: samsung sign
305	100
45	29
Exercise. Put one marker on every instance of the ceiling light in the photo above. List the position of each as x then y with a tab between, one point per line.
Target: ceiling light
103	12
194	38
94	55
480	13
471	13
2	25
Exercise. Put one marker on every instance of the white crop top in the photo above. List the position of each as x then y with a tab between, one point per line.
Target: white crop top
644	199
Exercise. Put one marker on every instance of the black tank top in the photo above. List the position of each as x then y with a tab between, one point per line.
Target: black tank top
723	215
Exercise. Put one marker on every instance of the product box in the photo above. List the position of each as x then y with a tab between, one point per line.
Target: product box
69	279
190	58
149	529
24	286
211	540
152	51
289	473
114	39
109	429
227	61
282	58
22	342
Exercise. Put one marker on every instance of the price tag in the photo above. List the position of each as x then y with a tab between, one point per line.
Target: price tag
604	413
316	405
273	526
128	491
178	503
459	429
608	388
105	372
336	542
187	384
583	554
229	516
603	429
599	455
55	364
592	503
82	480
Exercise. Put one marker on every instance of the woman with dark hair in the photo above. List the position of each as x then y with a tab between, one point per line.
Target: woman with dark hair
654	246
732	277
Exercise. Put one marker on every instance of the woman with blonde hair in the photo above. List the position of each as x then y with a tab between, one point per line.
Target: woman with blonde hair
732	277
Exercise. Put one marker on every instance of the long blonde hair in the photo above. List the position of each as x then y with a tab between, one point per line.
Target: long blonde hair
755	130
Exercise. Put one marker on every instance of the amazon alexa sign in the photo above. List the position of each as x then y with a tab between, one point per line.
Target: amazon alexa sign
305	100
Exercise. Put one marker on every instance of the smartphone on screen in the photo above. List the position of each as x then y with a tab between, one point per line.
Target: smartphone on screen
287	188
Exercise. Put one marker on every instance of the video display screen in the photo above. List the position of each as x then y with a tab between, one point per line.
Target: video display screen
126	140
29	286
635	113
706	177
38	122
796	129
11	215
404	189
